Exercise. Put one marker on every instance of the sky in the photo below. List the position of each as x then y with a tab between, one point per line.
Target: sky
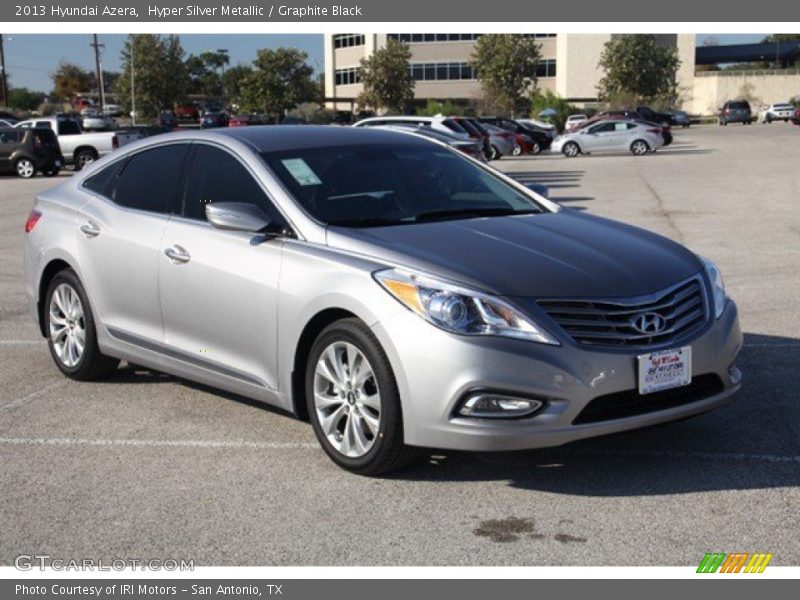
30	59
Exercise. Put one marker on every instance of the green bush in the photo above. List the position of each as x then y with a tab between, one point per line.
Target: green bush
435	107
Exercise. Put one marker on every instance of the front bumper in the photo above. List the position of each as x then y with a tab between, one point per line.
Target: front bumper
435	370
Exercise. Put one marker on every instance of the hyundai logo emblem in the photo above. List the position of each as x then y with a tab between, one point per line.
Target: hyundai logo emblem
649	322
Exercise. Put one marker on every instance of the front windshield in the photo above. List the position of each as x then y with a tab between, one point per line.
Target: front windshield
376	185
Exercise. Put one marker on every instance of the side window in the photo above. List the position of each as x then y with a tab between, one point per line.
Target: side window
630	125
218	176
26	125
100	182
43	124
148	179
621	126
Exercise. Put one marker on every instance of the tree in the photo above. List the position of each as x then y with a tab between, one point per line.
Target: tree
782	37
232	81
387	79
279	81
24	99
69	80
204	72
505	64
547	100
638	67
161	76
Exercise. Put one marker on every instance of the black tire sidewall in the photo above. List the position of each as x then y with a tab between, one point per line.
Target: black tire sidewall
390	432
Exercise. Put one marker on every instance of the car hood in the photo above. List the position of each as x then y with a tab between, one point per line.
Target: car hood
561	254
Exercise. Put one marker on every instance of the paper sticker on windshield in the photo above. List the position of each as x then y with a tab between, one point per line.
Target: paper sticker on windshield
301	172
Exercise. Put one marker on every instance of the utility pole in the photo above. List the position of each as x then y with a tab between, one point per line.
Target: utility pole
3	70
133	80
99	70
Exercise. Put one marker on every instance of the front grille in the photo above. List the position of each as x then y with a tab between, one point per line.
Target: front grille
631	403
606	322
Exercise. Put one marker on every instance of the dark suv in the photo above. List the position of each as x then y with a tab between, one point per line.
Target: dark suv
736	111
28	151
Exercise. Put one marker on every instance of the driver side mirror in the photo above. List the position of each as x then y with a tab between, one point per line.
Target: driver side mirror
237	216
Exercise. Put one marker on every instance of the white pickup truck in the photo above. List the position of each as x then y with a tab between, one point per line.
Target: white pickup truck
78	148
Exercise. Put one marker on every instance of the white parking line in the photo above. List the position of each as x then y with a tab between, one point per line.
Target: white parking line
32	395
240	444
22	342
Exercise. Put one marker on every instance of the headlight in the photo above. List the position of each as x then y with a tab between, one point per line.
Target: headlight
459	310
717	286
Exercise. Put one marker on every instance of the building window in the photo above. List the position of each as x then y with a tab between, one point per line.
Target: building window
444	71
546	68
348	76
416	38
345	40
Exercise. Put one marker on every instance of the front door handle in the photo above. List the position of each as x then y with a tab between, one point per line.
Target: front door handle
177	254
90	229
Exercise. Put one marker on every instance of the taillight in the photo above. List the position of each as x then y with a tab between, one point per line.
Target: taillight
114	142
33	218
654	130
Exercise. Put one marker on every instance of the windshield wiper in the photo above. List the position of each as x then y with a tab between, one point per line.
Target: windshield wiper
469	213
368	222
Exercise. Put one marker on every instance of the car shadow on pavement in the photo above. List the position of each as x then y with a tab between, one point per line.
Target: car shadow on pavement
752	444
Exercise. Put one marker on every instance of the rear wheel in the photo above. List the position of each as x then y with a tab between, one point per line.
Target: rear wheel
571	150
352	398
24	168
84	157
495	153
517	150
639	147
71	333
536	148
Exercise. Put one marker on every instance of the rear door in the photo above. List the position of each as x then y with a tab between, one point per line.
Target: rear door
219	288
9	141
119	234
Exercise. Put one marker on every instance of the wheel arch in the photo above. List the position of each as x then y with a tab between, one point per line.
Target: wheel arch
52	268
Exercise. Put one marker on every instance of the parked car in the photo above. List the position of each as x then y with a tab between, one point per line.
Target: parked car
78	148
648	114
187	112
502	141
81	103
736	111
573	121
782	111
391	291
628	115
26	152
473	148
547	128
214	119
167	120
144	131
112	110
609	135
8	122
680	118
245	120
540	140
95	121
438	123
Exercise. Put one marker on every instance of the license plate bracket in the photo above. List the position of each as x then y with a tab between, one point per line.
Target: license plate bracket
665	369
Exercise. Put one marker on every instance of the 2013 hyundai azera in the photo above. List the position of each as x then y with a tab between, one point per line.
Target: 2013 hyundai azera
394	292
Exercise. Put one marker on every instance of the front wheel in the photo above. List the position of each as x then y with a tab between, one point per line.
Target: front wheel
571	150
495	153
517	150
353	402
639	148
536	148
24	168
71	333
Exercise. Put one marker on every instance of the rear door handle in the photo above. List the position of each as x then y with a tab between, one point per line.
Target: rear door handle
177	254
90	229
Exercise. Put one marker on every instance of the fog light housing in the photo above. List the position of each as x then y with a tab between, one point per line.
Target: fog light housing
487	405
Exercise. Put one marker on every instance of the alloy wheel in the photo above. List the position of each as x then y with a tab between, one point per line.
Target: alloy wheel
639	148
25	168
67	325
346	399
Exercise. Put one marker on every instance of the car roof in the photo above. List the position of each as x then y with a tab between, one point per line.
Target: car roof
275	138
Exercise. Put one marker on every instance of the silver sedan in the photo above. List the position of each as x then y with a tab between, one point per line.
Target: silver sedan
609	135
395	292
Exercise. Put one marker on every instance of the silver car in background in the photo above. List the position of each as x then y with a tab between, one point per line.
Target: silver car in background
611	135
391	290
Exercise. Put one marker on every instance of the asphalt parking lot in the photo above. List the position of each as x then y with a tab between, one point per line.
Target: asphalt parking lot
147	466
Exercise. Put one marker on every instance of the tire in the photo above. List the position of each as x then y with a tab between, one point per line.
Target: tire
571	150
517	150
59	307
639	147
52	172
24	168
536	148
362	436
84	157
495	155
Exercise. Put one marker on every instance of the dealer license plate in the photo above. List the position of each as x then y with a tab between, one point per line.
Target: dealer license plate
665	369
